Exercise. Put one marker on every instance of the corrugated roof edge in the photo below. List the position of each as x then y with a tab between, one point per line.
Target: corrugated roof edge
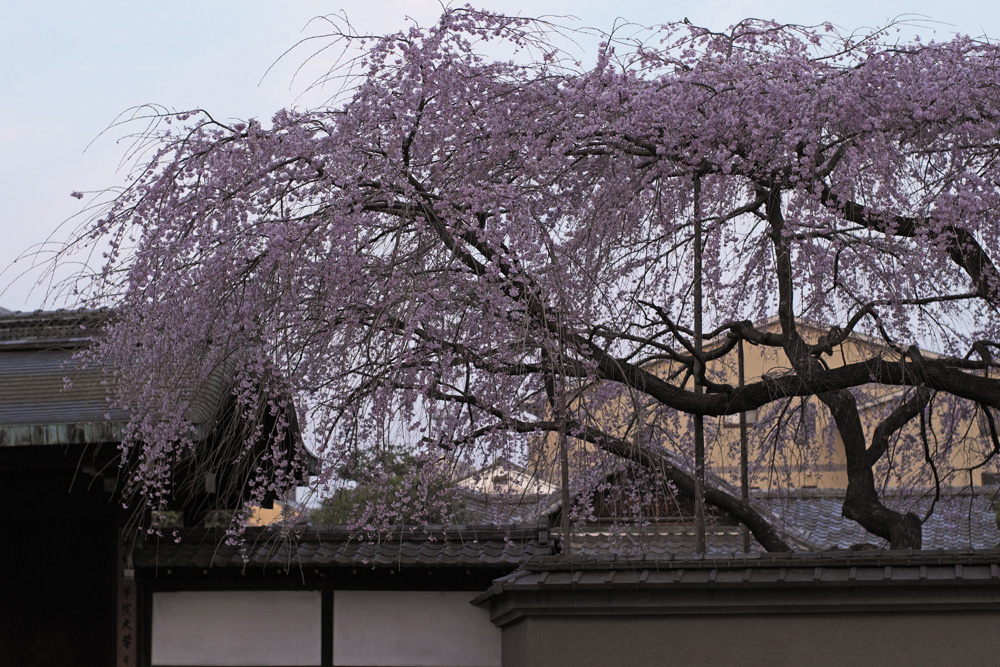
775	559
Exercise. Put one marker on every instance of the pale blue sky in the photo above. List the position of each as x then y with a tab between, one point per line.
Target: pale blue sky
71	67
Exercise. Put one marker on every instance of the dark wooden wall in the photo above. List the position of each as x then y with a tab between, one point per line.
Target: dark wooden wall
57	559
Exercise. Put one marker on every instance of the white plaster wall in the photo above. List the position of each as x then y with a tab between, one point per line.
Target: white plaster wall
237	628
417	628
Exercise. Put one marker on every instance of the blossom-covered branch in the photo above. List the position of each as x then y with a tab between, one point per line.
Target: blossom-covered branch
466	225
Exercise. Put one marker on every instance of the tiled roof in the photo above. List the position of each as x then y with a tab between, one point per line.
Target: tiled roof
547	507
841	568
809	520
962	519
36	356
503	547
33	390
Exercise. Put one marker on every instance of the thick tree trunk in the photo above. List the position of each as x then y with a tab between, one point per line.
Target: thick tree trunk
903	531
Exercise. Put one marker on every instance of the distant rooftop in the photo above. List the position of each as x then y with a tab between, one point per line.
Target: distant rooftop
810	520
963	518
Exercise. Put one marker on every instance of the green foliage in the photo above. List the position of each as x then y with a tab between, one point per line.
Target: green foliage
380	487
219	518
167	519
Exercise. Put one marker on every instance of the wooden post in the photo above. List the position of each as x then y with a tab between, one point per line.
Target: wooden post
126	611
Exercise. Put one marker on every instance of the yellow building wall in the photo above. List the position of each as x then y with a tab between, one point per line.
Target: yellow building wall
816	458
265	517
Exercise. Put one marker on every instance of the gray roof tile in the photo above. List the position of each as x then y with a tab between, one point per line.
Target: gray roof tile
811	521
656	541
962	518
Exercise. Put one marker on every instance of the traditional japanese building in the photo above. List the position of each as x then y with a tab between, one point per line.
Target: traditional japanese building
67	596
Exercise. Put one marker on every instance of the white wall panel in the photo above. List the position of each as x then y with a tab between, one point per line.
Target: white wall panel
417	628
237	628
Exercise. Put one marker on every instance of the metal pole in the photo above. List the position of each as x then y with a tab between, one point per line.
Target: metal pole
699	420
744	474
559	397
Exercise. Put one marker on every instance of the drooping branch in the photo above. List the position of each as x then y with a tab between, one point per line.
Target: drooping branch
648	456
938	374
962	246
653	459
427	239
658	460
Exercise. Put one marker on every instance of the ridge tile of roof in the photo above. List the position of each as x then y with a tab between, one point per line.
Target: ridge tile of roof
53	329
825	569
465	546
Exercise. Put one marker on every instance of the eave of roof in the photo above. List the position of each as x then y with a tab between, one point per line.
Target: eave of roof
75	433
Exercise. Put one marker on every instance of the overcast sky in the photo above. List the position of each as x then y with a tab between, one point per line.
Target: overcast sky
70	68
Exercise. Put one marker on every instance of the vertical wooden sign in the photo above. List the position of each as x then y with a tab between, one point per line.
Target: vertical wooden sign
125	642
